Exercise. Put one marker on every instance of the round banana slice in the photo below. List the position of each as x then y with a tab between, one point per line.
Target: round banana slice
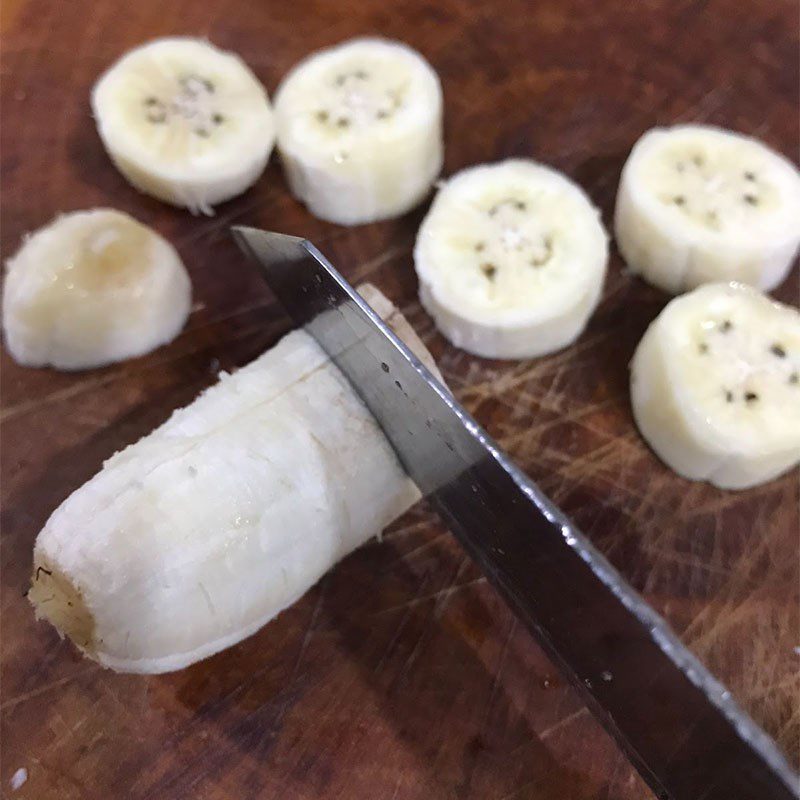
698	204
185	122
90	288
511	260
715	386
360	130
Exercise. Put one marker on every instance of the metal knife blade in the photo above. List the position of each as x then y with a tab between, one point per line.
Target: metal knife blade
678	725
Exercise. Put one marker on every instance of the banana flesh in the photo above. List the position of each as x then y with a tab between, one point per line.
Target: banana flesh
360	130
197	535
511	260
90	288
185	122
715	386
698	204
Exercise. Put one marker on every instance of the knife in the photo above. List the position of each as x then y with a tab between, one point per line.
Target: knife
677	724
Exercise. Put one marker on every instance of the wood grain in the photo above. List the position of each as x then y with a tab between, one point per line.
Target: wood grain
401	675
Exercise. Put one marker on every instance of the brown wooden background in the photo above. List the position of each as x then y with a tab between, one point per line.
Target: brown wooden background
401	675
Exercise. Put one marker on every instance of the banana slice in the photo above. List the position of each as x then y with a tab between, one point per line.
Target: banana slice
90	288
360	130
185	122
197	535
511	260
715	386
698	204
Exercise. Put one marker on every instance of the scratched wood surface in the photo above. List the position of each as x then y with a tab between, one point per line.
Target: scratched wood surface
401	675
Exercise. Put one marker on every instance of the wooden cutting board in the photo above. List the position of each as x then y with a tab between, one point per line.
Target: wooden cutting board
401	675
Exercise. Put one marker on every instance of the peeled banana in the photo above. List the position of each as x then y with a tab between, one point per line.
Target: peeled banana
511	260
360	130
698	204
90	288
185	122
715	386
197	535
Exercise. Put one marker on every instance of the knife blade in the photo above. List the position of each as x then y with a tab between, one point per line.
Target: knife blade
678	725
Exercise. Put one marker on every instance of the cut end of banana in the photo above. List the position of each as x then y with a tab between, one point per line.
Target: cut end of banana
185	122
511	260
56	599
698	204
91	288
360	130
715	386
